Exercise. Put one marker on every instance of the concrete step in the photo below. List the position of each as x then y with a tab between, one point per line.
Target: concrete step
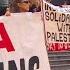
59	60
58	57
61	67
59	53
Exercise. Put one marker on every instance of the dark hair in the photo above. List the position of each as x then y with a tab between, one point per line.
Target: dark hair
68	2
32	8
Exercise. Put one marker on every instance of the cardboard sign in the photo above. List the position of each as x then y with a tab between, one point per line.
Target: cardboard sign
22	45
57	27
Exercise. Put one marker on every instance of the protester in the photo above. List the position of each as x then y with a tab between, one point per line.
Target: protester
35	6
13	4
16	6
24	6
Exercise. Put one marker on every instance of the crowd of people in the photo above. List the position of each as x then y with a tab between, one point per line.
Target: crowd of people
16	6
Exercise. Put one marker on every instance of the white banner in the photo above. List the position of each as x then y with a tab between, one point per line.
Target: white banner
57	27
22	45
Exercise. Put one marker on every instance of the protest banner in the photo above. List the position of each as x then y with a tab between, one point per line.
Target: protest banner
22	45
57	27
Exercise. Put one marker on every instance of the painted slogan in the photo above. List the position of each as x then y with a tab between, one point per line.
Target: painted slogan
21	43
57	27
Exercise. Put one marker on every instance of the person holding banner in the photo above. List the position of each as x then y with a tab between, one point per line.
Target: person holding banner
35	6
8	13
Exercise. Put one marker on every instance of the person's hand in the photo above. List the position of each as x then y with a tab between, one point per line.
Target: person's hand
8	13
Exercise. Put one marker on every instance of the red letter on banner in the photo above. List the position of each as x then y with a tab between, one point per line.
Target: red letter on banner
5	42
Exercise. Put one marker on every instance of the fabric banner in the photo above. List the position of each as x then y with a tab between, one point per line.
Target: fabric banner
57	27
22	45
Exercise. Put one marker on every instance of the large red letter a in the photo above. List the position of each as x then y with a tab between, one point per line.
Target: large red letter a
5	42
